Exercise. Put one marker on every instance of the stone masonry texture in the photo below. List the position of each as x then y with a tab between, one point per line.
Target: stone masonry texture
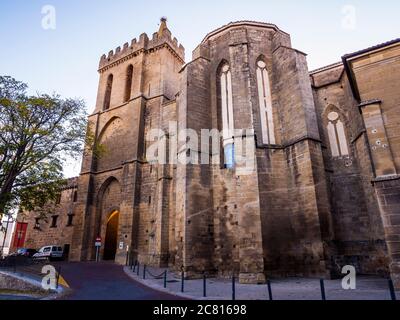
301	212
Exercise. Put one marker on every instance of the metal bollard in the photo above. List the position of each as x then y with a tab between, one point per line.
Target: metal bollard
144	272
269	290
233	289
183	282
165	279
322	285
138	268
204	285
392	291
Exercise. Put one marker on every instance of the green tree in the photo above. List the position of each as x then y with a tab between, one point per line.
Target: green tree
37	135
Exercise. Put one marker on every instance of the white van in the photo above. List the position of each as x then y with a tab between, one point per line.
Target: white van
49	253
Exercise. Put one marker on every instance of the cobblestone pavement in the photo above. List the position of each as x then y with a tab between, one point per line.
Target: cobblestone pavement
368	288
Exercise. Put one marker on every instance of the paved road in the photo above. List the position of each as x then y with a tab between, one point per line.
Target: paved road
105	281
13	297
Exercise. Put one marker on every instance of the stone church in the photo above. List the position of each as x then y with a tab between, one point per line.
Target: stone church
325	190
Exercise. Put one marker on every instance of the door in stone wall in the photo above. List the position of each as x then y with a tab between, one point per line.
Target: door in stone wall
110	244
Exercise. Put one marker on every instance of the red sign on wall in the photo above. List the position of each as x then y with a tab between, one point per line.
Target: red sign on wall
20	235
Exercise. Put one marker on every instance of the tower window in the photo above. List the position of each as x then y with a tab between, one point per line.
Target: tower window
107	96
225	79
337	135
128	83
75	199
265	100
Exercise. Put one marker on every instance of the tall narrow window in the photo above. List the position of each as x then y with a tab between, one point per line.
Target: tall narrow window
70	220
337	136
264	95
128	83
54	221
37	224
225	79
107	96
75	198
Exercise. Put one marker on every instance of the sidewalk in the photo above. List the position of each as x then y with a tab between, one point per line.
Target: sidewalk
368	288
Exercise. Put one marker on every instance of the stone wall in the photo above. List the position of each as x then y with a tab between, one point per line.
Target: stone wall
302	211
20	285
358	237
44	233
375	83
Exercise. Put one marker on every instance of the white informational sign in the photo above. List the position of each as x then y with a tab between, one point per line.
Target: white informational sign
121	245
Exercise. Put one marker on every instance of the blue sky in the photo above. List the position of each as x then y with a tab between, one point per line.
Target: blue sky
65	60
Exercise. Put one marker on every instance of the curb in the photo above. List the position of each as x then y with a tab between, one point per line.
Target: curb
157	287
53	294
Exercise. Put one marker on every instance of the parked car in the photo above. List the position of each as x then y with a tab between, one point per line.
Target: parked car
49	253
21	257
24	252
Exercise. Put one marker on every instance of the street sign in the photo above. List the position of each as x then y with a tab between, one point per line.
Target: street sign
97	242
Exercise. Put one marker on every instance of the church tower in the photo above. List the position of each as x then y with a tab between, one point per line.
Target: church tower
122	198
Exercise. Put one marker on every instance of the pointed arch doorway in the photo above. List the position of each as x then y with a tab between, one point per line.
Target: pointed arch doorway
110	243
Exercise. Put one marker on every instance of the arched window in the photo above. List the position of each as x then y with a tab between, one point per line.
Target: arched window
128	83
107	95
264	95
337	135
226	107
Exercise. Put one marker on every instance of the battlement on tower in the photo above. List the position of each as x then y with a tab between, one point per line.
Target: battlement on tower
161	39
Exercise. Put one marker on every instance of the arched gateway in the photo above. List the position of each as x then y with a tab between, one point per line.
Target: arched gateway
110	242
108	214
